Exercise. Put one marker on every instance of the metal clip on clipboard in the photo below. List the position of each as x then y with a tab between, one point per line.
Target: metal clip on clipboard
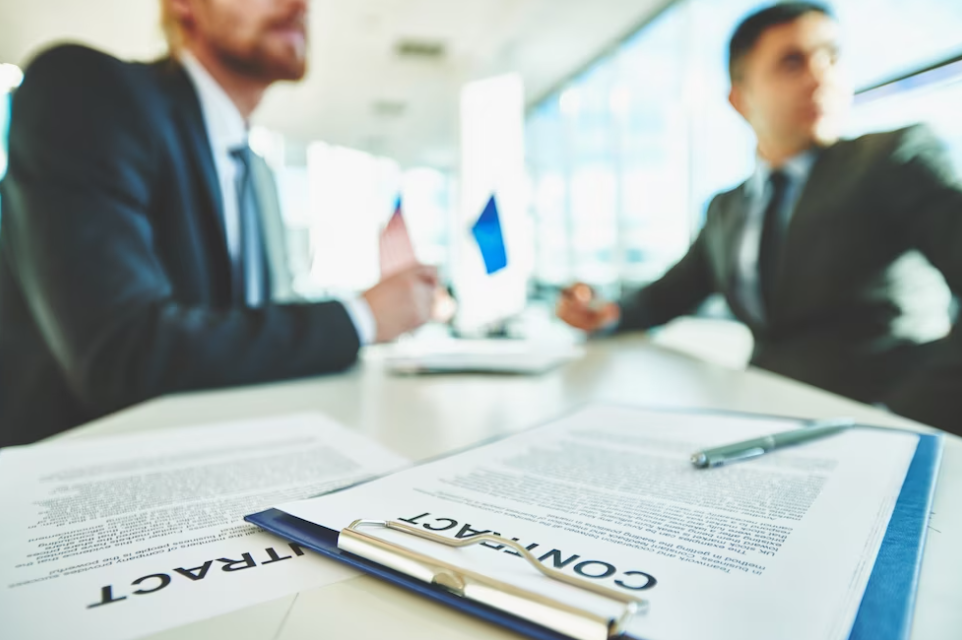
543	610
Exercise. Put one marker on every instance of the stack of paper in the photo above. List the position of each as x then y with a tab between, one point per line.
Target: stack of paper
121	537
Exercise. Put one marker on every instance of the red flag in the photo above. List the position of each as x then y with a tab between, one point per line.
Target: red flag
397	253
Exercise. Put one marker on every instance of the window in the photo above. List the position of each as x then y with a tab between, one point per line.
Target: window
894	47
884	39
625	157
934	98
336	206
335	201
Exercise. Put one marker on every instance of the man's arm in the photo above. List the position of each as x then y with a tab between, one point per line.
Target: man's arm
679	291
82	175
924	195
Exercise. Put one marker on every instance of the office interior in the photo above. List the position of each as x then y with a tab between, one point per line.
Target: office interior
604	129
613	115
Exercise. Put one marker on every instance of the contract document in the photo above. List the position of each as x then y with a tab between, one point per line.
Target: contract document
124	536
781	546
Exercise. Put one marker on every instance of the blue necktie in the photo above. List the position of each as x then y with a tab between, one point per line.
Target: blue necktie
251	284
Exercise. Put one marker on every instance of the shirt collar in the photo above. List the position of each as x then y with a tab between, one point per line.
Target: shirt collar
225	124
797	168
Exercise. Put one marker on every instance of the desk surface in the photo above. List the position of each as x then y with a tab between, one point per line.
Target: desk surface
420	417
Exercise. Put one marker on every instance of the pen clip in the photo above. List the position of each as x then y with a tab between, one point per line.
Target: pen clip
754	447
740	456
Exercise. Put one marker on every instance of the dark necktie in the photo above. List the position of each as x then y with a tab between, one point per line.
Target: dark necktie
772	237
250	272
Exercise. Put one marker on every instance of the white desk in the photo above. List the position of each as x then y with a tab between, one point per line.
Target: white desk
424	416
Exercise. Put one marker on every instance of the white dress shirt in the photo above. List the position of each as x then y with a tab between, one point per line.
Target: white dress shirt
758	192
226	131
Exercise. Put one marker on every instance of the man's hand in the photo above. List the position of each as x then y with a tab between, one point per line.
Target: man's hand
402	302
582	309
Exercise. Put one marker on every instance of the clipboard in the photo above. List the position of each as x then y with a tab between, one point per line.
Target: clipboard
885	612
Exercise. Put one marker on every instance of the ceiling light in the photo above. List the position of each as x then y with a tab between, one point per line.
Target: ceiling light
420	49
388	108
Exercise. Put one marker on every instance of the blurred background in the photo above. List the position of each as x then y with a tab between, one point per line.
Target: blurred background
603	126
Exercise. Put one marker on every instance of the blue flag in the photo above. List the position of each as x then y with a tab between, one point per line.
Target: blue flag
487	233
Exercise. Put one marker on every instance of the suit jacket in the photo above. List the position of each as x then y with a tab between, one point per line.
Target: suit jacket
861	295
115	281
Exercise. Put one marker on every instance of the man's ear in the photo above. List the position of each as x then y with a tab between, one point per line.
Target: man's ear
182	11
736	98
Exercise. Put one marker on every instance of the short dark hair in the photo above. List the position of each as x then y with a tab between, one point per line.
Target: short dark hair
752	28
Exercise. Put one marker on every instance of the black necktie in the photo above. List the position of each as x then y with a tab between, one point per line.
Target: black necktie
250	272
772	236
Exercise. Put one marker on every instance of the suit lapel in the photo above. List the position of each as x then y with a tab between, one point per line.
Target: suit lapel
187	113
734	213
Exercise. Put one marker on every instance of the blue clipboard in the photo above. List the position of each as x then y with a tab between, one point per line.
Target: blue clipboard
885	612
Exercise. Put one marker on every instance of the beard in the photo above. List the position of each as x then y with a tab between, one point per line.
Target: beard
274	53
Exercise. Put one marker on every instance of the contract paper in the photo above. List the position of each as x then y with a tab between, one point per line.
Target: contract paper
121	537
777	547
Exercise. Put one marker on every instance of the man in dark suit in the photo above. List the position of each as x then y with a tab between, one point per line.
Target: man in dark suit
132	256
835	253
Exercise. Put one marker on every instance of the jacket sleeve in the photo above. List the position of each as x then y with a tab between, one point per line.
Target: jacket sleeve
924	197
679	291
84	164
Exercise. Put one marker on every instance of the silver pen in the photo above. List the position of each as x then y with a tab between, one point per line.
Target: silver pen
817	429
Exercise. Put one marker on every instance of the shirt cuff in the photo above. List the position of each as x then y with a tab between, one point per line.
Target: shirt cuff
363	318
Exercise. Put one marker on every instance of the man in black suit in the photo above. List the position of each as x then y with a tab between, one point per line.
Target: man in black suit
835	253
132	256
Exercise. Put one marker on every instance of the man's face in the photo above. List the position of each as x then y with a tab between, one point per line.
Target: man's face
266	39
791	89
